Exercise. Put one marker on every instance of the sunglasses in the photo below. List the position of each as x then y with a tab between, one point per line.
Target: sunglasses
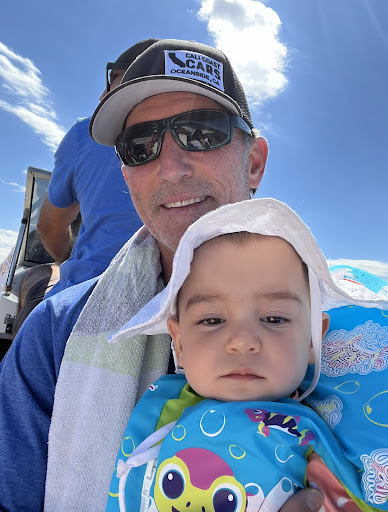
197	130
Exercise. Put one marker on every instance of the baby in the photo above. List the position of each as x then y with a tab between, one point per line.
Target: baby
242	330
244	310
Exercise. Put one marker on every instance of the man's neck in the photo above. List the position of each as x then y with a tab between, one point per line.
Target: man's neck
166	259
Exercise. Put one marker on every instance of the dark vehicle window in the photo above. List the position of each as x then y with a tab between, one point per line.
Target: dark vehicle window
35	252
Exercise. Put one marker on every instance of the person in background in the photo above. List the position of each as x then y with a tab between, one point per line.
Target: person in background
86	191
86	179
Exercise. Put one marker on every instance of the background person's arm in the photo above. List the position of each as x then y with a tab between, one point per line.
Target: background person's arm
54	228
60	206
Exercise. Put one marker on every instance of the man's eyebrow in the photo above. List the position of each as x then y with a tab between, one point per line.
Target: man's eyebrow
196	299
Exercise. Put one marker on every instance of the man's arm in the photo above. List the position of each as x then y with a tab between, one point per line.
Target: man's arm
28	375
54	229
306	500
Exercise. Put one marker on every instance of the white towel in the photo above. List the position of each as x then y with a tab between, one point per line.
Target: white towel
99	384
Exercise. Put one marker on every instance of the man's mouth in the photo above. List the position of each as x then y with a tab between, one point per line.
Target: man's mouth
187	202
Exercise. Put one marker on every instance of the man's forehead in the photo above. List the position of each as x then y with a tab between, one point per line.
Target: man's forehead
169	104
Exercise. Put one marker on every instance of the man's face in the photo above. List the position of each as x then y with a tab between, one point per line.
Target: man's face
179	186
244	329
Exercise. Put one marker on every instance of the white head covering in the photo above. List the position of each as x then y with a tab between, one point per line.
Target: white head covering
264	216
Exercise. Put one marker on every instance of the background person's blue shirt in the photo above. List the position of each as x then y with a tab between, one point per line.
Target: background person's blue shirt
90	173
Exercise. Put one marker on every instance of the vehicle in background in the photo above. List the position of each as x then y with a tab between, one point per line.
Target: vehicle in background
28	252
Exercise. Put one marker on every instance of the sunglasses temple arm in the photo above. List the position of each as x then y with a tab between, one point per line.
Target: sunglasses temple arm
238	122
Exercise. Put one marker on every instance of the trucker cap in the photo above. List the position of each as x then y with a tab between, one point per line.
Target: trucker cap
124	60
169	65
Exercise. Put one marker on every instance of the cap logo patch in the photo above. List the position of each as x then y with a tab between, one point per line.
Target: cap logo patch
194	65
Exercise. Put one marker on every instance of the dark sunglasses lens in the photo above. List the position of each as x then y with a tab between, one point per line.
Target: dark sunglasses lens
138	144
199	130
204	129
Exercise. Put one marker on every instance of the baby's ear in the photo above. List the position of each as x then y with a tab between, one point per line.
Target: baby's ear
173	329
325	328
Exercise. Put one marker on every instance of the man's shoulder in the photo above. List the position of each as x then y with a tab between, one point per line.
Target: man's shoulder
54	318
72	297
81	122
80	128
79	133
62	308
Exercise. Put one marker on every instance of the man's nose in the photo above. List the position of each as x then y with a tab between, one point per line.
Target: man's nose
244	340
174	162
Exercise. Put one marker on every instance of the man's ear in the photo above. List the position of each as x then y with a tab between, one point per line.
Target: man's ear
258	158
325	328
124	170
173	329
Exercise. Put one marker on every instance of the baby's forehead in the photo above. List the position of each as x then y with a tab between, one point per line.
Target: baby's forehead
242	238
208	269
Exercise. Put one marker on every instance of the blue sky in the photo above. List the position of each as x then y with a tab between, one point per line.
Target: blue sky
316	74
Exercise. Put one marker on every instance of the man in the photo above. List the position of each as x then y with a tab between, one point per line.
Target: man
96	384
86	180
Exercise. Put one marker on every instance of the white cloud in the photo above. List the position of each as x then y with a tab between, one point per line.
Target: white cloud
51	133
247	31
7	241
27	97
378	268
16	186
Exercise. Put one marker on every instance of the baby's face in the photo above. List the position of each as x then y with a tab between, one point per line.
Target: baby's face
244	328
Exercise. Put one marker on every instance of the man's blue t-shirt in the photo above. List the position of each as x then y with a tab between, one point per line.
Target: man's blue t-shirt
90	173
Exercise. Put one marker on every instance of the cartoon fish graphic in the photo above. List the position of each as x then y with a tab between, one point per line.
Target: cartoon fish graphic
199	479
288	424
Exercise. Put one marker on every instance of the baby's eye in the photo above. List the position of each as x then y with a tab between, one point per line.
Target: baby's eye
275	319
212	321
